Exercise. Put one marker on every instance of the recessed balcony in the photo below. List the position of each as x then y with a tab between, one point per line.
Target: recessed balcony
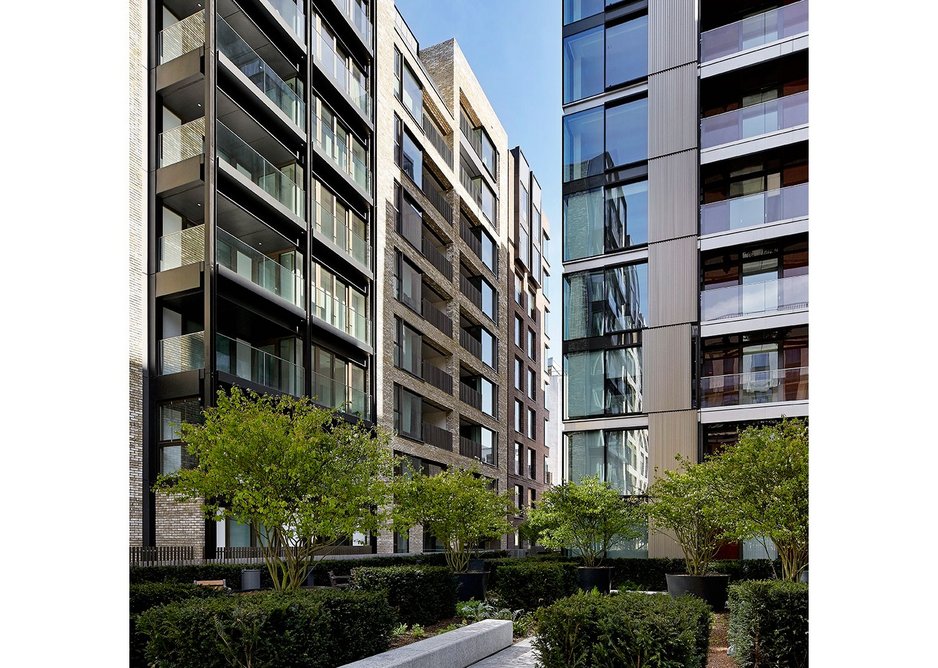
337	151
261	270
436	317
754	31
178	354
291	13
243	360
182	142
357	17
182	37
340	233
337	71
341	315
182	248
754	387
763	298
754	120
762	208
334	393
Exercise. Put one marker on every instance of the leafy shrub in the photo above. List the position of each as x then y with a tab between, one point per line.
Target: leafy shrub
769	624
475	611
300	630
420	594
529	585
230	573
148	595
588	629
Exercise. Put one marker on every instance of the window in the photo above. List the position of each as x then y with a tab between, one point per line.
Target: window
620	457
519	458
519	374
532	344
408	289
532	464
408	348
603	382
489	154
627	132
583	144
489	299
532	424
338	382
574	10
595	223
409	91
519	332
409	219
605	301
519	417
410	159
583	64
519	290
489	439
408	413
489	348
401	542
489	250
532	498
532	384
519	496
627	51
532	302
489	397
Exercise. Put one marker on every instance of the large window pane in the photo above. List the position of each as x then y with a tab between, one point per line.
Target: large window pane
488	347
627	132
408	412
627	460
627	51
584	384
583	144
626	303
412	94
626	216
582	224
410	348
586	455
623	381
583	64
574	10
489	399
412	160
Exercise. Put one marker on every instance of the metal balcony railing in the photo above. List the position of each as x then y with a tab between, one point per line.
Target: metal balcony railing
342	235
438	437
754	31
182	37
762	208
437	199
437	318
292	14
340	155
439	142
470	343
436	258
470	396
338	71
437	377
356	15
341	315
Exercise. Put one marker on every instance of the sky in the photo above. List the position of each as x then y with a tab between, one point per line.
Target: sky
514	48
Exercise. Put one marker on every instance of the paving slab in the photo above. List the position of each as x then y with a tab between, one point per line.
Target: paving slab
519	655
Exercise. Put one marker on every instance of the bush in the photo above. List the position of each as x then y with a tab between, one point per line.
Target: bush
230	573
529	585
148	595
299	630
623	630
769	624
420	594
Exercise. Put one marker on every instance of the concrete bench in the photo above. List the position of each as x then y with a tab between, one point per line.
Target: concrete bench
455	649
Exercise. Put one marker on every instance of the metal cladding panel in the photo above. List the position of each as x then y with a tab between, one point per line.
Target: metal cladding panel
672	34
673	207
670	434
672	111
667	372
672	281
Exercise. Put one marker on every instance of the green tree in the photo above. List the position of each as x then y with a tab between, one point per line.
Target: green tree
590	517
304	477
685	504
764	478
458	507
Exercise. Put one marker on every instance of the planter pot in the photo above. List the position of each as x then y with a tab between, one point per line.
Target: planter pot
710	588
477	565
599	577
250	579
804	576
471	585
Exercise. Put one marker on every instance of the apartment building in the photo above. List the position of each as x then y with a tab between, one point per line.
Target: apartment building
325	211
685	231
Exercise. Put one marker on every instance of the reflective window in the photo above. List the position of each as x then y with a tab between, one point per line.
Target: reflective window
583	224
489	299
583	64
410	220
627	132
408	411
532	424
489	397
489	440
412	159
627	51
489	252
519	374
574	10
409	286
583	144
605	301
489	347
626	220
408	349
532	344
620	457
532	384
586	453
603	382
408	87
519	418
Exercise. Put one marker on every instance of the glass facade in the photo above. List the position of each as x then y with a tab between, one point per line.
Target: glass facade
605	301
627	132
603	382
583	64
617	456
574	10
583	144
599	220
627	51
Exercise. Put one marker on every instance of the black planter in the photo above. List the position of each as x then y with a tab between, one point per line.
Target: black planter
710	588
471	585
477	564
599	577
250	579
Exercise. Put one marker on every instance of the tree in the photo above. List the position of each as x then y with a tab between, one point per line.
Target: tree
590	517
458	507
301	475
764	478
685	504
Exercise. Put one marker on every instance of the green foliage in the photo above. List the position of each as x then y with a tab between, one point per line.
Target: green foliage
288	630
530	585
475	611
764	489
301	474
769	624
590	517
148	595
588	630
420	594
685	504
457	507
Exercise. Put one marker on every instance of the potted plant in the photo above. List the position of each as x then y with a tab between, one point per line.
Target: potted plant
589	517
685	504
459	508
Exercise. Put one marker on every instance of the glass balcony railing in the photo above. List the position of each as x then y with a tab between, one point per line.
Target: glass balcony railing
241	359
182	142
292	14
336	69
356	15
341	156
272	180
757	209
784	294
182	37
754	387
342	235
260	73
261	270
182	353
754	120
754	31
178	249
335	393
341	315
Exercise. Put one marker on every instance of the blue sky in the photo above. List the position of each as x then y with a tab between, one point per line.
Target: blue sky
513	47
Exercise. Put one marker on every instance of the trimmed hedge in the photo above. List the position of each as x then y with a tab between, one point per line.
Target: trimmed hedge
769	624
148	595
628	629
420	594
528	585
302	630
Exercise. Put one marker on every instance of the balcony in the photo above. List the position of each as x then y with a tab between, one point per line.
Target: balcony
470	396
357	17
762	208
437	198
266	273
437	437
475	245
475	136
260	73
182	142
337	71
334	393
438	141
292	14
754	31
436	257
340	156
784	294
470	343
241	359
437	377
342	235
480	194
178	249
754	387
258	170
437	318
182	353
341	315
754	120
182	37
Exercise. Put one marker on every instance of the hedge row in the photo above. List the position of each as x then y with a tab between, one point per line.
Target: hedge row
528	585
319	629
148	595
769	624
419	594
629	629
